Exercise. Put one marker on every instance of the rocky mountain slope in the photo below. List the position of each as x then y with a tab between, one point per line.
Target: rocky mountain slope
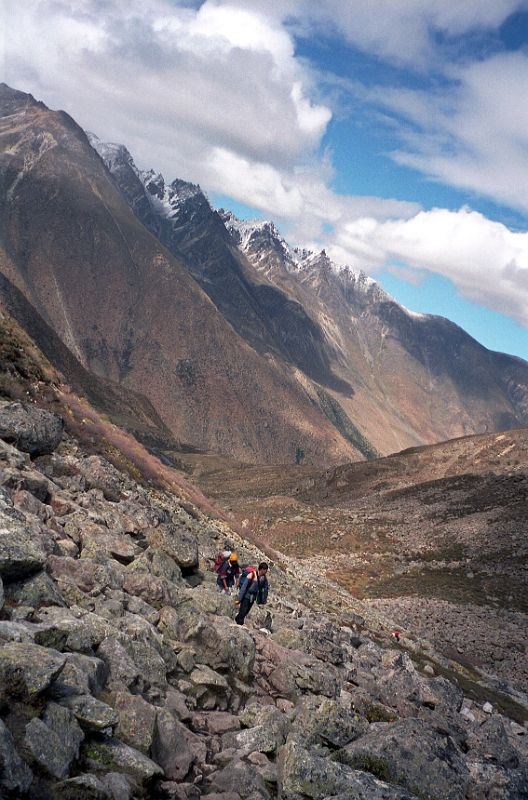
385	377
123	675
128	310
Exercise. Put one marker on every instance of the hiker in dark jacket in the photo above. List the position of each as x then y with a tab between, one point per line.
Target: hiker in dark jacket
253	587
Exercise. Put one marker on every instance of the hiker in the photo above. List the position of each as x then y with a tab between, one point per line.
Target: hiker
228	570
253	588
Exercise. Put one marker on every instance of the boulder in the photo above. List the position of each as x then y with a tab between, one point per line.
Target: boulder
290	673
100	474
20	552
177	542
241	779
154	591
322	720
222	646
34	483
119	546
81	675
491	782
35	591
150	664
84	631
412	754
120	786
27	670
29	428
400	685
490	742
302	774
15	775
91	714
209	688
136	721
11	456
83	787
11	631
53	742
106	754
122	671
174	747
214	722
86	574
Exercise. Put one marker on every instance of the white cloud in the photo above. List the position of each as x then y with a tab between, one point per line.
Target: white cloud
472	133
486	261
402	31
216	94
216	76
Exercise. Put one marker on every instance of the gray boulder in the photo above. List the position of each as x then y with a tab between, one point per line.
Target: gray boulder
35	591
105	754
100	474
15	775
12	457
27	670
266	731
30	429
302	774
136	721
177	542
322	720
174	747
81	675
20	552
83	787
410	753
91	714
239	779
490	742
84	631
122	671
53	742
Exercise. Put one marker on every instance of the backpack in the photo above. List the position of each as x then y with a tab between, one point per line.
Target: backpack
244	579
220	561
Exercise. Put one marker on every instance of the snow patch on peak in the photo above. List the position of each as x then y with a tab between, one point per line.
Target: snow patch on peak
169	200
112	153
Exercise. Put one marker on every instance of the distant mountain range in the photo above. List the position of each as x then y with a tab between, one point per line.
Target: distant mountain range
241	344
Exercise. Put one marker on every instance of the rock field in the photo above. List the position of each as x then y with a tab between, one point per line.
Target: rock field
123	674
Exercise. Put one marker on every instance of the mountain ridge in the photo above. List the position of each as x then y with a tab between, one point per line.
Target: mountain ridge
406	378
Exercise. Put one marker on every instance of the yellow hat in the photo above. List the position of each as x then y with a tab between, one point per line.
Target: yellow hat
233	557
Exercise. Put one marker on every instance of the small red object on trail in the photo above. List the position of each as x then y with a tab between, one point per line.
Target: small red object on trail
396	635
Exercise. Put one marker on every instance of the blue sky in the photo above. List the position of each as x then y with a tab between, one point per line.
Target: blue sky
394	134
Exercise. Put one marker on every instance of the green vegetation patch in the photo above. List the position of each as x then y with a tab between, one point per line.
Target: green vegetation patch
335	413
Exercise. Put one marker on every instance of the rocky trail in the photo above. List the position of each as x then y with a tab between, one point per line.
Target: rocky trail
123	674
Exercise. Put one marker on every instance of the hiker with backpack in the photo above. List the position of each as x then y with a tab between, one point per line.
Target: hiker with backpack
227	568
253	587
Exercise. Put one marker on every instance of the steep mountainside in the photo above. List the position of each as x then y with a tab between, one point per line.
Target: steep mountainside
386	378
420	375
128	310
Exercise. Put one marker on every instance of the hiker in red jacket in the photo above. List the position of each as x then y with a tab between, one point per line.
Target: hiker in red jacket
228	571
